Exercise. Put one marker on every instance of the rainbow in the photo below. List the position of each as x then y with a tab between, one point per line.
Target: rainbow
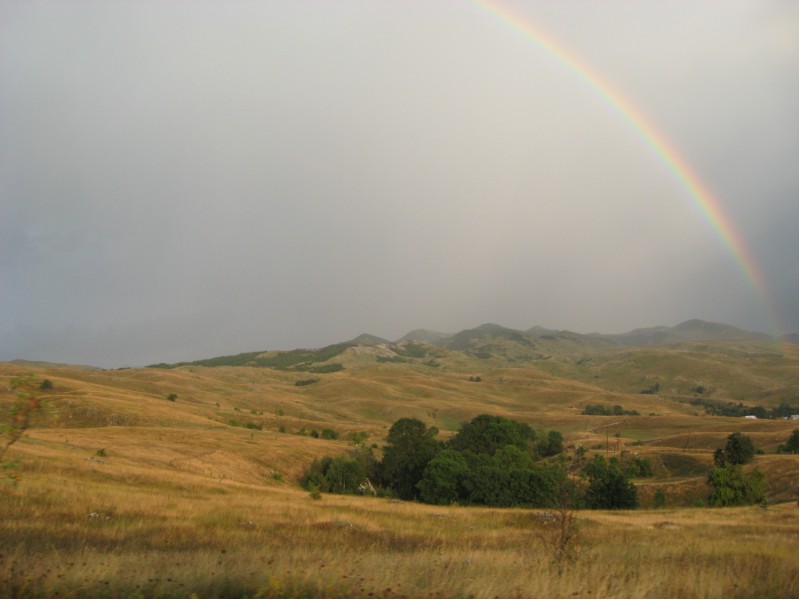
702	198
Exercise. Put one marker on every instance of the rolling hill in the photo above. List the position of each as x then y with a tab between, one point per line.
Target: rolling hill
185	464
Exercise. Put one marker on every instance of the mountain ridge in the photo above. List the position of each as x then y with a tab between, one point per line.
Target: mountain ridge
490	340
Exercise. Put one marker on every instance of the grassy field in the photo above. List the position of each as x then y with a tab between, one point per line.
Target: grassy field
124	493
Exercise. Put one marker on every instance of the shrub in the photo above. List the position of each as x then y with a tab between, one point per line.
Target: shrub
172	397
309	381
639	467
46	385
329	434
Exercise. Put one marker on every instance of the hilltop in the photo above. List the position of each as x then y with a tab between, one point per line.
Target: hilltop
693	362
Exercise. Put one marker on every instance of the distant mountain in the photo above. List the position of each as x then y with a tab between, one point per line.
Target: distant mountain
693	330
538	331
789	338
488	341
41	364
367	339
425	336
487	332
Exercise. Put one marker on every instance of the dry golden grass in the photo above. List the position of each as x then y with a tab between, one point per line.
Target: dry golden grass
87	535
182	503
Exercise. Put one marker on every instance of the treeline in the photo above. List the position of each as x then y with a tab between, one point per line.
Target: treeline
491	461
608	411
733	409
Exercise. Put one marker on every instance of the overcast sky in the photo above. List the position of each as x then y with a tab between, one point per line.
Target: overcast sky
184	179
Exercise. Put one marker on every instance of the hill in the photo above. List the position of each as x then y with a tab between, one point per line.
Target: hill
693	330
182	480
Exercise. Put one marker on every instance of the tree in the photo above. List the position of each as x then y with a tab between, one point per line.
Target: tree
738	450
554	444
608	486
339	475
486	434
791	445
344	476
733	487
411	446
443	479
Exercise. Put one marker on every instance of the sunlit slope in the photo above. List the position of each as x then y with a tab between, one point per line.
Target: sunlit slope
253	425
754	373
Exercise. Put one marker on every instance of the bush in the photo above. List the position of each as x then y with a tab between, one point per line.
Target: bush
46	385
329	434
639	467
172	397
309	381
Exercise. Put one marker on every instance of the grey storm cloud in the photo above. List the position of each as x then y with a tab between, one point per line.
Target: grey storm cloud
185	179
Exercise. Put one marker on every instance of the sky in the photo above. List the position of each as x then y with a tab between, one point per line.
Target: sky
187	179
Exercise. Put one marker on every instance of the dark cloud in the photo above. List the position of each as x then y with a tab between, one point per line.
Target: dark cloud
181	180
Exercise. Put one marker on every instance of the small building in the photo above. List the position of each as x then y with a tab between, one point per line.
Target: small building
750	417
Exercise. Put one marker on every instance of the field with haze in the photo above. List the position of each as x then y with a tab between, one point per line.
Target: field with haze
181	480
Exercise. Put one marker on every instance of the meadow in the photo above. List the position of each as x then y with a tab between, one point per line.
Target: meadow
124	493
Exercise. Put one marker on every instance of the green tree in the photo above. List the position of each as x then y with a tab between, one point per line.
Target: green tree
486	434
509	458
608	487
791	446
733	487
339	475
739	449
344	476
554	444
411	446
443	479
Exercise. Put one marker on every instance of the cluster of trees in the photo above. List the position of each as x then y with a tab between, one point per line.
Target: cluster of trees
601	409
732	486
492	461
734	409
